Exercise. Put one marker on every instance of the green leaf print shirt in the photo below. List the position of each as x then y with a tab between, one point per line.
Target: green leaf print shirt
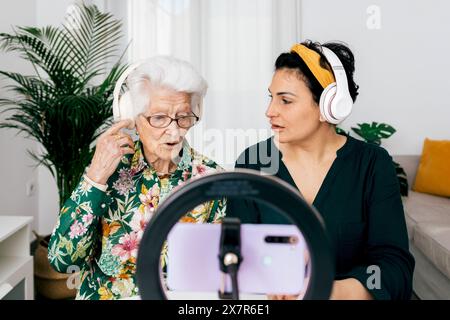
99	231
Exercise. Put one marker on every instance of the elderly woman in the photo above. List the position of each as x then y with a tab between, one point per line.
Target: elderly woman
101	225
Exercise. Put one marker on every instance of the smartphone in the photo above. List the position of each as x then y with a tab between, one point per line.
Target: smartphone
274	259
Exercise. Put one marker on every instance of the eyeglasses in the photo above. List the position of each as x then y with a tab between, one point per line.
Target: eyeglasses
163	121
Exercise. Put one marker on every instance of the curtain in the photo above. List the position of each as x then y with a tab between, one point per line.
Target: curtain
233	44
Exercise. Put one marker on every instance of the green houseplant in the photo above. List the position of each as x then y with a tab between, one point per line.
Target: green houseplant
374	133
68	100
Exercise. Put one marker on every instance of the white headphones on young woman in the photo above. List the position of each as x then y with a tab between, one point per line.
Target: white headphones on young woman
335	101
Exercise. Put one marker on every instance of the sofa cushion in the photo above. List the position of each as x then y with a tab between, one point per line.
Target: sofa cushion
433	239
420	207
433	173
423	198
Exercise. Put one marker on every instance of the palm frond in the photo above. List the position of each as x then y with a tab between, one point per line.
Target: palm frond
96	36
59	106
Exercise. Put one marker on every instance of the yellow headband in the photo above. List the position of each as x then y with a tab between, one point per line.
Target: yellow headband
312	60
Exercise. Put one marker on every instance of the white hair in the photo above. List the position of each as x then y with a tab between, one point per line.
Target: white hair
168	72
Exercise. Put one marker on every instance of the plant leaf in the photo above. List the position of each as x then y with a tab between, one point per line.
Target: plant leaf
374	132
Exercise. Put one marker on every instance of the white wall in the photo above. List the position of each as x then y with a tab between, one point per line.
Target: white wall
51	12
402	68
15	165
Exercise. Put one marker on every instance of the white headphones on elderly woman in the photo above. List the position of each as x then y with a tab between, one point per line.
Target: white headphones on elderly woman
335	101
123	107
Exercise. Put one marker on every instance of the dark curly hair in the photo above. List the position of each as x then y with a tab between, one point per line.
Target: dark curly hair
292	60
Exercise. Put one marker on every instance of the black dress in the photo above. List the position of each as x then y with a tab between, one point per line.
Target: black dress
361	205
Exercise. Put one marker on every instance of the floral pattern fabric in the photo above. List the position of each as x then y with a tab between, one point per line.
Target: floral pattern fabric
99	232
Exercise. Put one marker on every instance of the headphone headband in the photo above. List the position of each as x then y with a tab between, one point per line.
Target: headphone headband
338	71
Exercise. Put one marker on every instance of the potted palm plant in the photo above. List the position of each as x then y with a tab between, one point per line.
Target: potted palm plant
65	104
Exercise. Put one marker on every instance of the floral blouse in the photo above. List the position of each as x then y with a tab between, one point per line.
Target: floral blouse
99	232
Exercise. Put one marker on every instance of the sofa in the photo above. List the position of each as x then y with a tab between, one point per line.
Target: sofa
428	223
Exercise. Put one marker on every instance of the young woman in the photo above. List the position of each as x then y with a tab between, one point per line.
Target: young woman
351	183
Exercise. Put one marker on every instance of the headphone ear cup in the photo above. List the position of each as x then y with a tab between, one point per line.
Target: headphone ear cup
325	103
125	109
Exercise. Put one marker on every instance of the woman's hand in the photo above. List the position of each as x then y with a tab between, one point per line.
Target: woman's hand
349	289
112	145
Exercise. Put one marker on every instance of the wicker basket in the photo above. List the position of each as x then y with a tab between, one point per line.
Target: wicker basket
49	283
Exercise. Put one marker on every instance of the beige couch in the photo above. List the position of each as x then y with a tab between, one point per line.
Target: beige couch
428	223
